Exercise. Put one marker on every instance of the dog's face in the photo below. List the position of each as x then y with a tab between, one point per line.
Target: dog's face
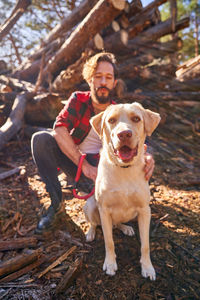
123	129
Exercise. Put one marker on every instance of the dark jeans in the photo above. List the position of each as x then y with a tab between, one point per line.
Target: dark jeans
48	158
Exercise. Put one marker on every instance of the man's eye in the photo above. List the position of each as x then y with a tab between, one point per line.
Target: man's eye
135	119
112	120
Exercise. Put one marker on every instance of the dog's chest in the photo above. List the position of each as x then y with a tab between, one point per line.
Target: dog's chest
124	203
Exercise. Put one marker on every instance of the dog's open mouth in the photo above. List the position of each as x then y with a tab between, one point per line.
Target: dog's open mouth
125	153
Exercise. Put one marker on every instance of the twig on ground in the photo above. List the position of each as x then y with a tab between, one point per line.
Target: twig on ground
58	261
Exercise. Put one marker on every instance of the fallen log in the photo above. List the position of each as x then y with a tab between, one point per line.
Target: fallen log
72	76
16	84
15	120
162	29
99	17
42	109
71	20
18	262
189	70
41	259
164	97
19	243
143	42
69	276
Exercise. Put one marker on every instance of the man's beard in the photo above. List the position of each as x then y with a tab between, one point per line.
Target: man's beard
102	99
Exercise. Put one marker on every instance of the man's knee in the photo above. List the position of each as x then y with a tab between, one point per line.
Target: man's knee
41	140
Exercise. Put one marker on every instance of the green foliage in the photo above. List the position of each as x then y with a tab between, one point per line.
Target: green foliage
185	8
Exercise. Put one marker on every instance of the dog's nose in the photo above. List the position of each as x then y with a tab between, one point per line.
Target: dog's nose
123	135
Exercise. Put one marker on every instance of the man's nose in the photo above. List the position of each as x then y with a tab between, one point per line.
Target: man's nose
103	80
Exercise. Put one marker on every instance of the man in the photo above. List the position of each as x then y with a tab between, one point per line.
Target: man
72	135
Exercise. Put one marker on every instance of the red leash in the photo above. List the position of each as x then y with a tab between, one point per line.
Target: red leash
78	174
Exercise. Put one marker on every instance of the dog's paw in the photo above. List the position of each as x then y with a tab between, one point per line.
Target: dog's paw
91	234
110	268
127	230
148	271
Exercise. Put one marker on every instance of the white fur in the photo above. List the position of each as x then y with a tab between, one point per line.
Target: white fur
122	193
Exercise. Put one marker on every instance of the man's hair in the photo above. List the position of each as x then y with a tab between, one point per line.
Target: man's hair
90	66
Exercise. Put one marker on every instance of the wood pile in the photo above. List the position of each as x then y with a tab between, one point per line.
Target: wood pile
147	66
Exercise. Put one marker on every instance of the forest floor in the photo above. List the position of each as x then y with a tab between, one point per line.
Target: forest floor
174	236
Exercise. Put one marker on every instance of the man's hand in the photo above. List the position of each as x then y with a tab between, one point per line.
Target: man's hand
149	164
89	171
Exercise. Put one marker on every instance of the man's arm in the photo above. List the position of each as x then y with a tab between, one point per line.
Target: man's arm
71	150
149	164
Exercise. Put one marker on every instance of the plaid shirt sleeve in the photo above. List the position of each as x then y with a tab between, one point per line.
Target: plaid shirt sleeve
69	115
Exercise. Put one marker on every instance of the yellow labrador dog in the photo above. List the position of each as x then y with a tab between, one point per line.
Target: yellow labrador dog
121	191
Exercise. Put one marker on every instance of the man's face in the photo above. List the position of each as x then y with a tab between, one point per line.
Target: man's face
103	82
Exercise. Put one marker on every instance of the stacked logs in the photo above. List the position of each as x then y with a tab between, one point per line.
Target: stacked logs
132	32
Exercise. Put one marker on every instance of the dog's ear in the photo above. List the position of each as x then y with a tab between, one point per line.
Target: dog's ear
151	121
96	122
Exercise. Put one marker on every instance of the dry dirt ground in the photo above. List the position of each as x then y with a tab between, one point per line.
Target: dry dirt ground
175	232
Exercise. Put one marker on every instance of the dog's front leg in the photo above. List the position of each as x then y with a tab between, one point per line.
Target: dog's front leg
110	265
144	218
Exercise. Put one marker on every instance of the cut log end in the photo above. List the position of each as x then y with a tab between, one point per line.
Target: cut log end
118	4
98	41
124	37
115	26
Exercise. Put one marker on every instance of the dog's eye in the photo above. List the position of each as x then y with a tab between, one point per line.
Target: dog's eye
135	119
112	120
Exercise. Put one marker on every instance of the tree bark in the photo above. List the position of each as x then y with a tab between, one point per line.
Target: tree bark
43	109
19	243
99	17
18	262
41	259
72	76
190	69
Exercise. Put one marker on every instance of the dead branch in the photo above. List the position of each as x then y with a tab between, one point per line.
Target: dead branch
41	259
58	261
9	173
18	11
18	262
70	276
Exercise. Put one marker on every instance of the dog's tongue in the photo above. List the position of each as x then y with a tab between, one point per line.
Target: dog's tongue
125	153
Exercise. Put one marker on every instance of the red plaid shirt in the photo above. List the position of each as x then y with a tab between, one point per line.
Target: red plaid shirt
76	115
